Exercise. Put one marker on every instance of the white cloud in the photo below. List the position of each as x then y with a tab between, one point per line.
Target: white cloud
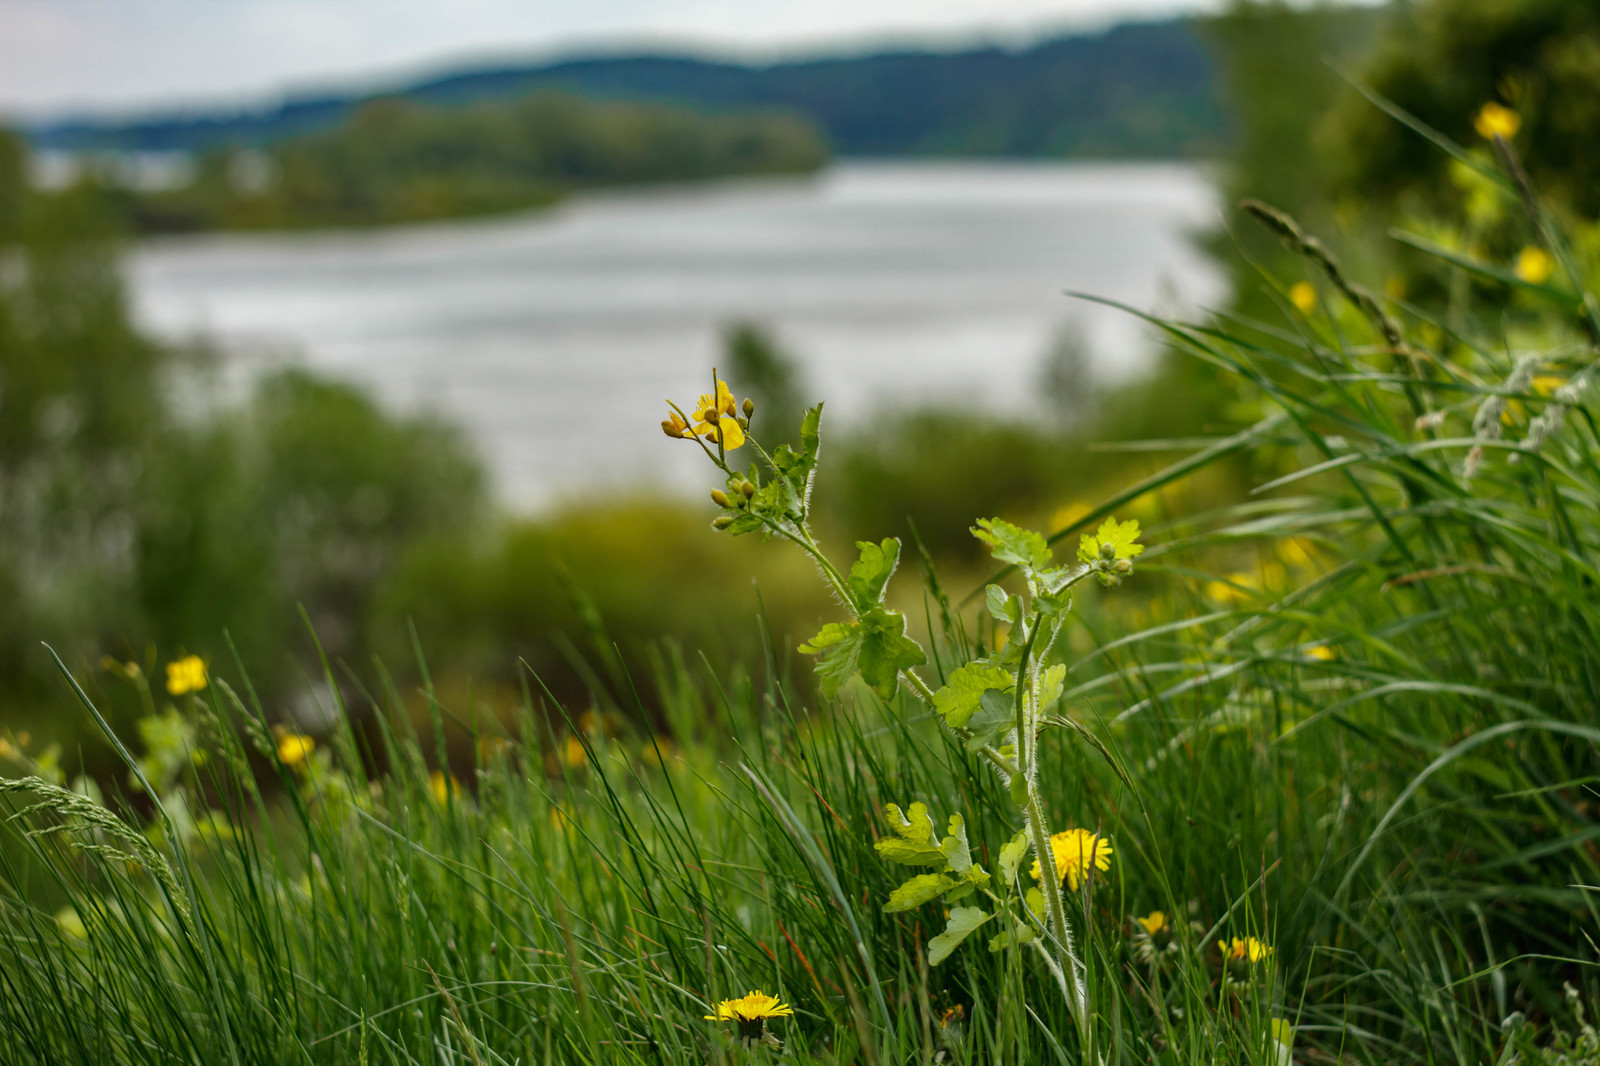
61	55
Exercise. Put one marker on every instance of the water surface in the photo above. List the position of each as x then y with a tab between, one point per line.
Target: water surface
554	336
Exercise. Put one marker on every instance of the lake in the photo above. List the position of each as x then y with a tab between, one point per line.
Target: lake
554	336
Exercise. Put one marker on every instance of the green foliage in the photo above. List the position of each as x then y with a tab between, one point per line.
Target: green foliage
395	160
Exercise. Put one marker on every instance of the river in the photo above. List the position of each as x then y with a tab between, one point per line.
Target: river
554	336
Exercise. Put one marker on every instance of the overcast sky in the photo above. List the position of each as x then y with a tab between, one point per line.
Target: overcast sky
58	56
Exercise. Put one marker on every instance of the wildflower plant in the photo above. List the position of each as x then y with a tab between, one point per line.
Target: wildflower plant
994	706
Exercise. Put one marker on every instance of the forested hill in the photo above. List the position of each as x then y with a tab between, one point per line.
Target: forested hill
1138	90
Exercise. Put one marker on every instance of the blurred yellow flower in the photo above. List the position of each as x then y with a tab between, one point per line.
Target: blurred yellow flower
1304	296
1496	120
186	675
1534	265
1153	922
573	752
1244	950
295	748
1320	652
442	787
723	410
1066	516
1547	384
1076	852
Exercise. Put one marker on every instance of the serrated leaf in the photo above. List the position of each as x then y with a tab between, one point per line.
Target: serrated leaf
955	847
839	646
1003	607
913	843
917	891
885	650
963	922
1021	936
745	523
958	701
1122	536
1013	544
811	435
1051	685
870	573
1011	855
997	713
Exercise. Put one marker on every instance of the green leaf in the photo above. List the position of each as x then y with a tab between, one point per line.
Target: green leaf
811	435
997	713
917	891
1021	936
871	572
913	843
1011	855
885	650
1003	607
1013	544
964	921
955	847
1120	535
839	644
746	523
1051	685
959	699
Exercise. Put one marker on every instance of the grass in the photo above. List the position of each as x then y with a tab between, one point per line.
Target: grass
1372	745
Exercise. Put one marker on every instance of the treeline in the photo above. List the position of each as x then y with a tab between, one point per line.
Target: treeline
395	160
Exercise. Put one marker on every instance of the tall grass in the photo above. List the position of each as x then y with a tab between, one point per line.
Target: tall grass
1373	747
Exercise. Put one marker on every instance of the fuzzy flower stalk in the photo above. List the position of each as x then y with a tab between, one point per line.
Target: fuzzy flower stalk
994	707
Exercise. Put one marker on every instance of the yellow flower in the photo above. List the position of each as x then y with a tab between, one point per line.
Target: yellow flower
1075	852
1244	951
1153	922
1496	120
186	675
751	1013
1304	296
441	787
1320	652
1534	265
295	748
716	417
952	1016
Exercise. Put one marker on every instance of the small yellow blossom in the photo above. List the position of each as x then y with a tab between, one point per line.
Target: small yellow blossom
1153	922
1244	951
1304	296
716	418
1076	851
1320	652
1067	515
1534	265
295	748
952	1016
186	675
1496	120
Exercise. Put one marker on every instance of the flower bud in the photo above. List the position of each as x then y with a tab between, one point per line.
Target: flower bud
722	521
673	428
1108	551
720	498
749	408
1123	566
747	488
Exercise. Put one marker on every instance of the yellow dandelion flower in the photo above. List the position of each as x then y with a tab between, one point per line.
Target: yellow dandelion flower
751	1013
1534	265
1076	851
1304	297
1496	120
1153	923
1244	951
186	675
716	418
573	752
952	1016
1320	652
295	748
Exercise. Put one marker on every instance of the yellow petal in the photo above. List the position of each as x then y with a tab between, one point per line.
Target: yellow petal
732	435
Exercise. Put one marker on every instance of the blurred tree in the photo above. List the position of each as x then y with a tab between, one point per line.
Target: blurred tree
770	376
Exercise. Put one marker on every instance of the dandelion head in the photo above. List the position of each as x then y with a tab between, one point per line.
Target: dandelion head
1534	265
186	675
295	748
1077	852
1153	923
1244	952
750	1013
